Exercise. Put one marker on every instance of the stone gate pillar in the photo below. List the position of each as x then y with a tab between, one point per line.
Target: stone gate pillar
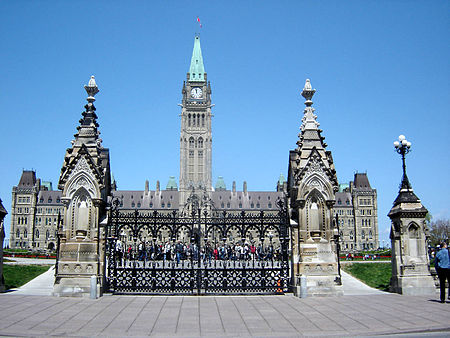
410	261
85	184
312	185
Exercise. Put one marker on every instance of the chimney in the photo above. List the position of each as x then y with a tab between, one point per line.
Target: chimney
234	187
245	187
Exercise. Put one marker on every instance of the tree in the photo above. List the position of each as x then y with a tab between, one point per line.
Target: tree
439	231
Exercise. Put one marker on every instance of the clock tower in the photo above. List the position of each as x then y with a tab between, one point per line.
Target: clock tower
195	139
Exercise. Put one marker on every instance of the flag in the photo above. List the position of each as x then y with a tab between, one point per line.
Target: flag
198	20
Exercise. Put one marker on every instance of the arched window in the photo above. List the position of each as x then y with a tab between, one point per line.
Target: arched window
18	233
228	205
37	233
363	234
47	234
49	199
203	120
191	143
370	234
189	120
270	205
25	233
200	142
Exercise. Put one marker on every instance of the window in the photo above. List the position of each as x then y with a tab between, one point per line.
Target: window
228	205
25	233
203	120
200	142
169	205
258	205
47	234
151	205
133	205
363	234
49	199
252	205
191	143
270	205
18	233
162	205
189	120
41	200
139	204
222	205
200	154
240	205
58	200
37	233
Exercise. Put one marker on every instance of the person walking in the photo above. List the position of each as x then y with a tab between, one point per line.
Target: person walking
442	264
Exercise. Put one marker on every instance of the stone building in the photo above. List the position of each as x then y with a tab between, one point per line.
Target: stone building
34	213
35	206
356	207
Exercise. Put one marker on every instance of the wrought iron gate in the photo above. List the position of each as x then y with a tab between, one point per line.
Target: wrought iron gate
205	253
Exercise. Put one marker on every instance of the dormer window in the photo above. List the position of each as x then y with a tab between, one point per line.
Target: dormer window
49	200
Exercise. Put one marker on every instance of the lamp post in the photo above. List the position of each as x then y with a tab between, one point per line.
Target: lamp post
338	247
403	147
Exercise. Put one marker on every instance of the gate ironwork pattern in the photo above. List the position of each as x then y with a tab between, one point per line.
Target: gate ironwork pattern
205	253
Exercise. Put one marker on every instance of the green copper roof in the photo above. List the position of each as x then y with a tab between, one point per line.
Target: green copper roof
172	184
220	184
281	180
197	70
343	186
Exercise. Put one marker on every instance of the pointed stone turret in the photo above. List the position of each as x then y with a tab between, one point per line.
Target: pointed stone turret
312	184
197	70
409	234
85	182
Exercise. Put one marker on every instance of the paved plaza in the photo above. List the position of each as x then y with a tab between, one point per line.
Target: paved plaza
362	311
222	316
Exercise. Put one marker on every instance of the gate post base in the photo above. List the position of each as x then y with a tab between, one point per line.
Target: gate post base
75	287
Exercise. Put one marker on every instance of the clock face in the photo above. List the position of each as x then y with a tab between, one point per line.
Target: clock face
196	93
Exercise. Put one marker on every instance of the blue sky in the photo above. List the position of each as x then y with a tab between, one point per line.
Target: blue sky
380	68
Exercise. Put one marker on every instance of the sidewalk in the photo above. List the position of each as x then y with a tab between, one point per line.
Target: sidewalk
222	316
362	311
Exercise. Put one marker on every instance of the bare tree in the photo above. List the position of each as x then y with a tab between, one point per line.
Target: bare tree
439	231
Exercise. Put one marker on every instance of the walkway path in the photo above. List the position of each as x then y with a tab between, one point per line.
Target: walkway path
363	311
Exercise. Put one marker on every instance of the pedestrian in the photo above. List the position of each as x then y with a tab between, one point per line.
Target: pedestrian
442	265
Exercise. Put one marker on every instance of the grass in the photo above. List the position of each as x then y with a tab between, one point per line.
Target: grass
376	275
18	275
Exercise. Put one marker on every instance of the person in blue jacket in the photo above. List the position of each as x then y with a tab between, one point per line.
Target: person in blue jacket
442	265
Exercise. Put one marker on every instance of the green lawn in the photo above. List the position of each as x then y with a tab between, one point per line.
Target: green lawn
18	275
376	275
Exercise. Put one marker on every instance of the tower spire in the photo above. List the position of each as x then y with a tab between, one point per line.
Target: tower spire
87	130
197	70
309	121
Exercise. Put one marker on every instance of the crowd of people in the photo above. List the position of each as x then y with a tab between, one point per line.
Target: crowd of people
179	251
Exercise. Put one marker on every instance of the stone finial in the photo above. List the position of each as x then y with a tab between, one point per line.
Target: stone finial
91	89
308	93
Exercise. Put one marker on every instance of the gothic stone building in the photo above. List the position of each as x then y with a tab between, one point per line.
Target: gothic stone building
35	206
